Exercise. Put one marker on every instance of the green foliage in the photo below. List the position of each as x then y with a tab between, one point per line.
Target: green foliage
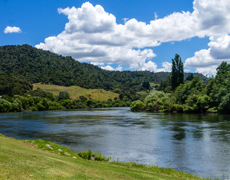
190	77
117	90
194	95
63	95
11	85
177	72
224	106
137	106
36	65
83	98
5	106
39	93
157	100
183	91
176	107
97	156
146	85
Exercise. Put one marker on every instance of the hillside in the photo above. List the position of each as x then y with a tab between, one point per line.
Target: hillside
24	160
76	91
37	65
10	85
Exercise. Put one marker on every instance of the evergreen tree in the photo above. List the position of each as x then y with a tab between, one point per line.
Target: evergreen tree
177	72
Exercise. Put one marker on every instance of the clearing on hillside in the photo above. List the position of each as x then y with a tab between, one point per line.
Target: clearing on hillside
76	91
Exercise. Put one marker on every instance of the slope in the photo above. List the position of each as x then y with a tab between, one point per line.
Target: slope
76	91
21	160
37	65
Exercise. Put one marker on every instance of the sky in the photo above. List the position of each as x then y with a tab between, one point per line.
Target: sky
123	35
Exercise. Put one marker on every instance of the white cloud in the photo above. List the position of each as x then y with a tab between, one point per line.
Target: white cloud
119	68
187	70
92	35
156	16
14	29
108	67
207	60
167	67
97	63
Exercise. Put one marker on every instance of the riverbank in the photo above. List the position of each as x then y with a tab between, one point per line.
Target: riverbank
28	160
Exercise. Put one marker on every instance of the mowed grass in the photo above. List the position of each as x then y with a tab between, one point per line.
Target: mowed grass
23	160
76	91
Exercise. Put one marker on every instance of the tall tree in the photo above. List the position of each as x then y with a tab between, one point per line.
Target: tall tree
177	72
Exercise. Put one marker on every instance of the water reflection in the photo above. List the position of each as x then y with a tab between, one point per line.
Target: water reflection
195	143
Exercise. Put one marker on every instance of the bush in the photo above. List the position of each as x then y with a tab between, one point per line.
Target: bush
97	156
176	107
63	95
5	106
117	90
137	106
224	106
157	100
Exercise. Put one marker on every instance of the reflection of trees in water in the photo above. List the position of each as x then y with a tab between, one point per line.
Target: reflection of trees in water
179	133
197	124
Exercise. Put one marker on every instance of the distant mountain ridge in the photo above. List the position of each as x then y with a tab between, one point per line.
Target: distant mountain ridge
36	65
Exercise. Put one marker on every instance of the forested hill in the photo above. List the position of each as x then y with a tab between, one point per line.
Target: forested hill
164	75
36	65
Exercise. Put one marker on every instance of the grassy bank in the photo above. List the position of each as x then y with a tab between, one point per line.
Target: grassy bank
39	160
76	91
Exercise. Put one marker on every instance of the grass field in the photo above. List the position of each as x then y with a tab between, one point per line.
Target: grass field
76	91
24	160
153	84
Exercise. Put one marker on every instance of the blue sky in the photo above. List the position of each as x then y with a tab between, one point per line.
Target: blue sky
197	30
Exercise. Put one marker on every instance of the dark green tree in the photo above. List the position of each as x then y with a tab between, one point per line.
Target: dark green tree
64	95
177	72
146	85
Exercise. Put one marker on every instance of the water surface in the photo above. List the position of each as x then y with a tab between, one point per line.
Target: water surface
194	143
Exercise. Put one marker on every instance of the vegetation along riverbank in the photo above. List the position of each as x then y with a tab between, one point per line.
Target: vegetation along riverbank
191	95
39	159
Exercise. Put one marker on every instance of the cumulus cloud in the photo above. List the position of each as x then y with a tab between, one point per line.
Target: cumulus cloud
108	67
207	60
10	29
92	35
167	67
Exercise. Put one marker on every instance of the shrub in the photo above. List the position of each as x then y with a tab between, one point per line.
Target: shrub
117	90
63	95
97	156
5	106
137	105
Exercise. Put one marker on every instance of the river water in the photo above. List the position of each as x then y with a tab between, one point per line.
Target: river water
193	143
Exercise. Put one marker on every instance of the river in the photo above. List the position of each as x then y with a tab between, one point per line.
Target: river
193	143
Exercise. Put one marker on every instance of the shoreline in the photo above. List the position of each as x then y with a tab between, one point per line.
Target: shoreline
30	148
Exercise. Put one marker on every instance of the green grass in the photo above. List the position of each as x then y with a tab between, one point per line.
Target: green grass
76	91
143	94
33	160
153	84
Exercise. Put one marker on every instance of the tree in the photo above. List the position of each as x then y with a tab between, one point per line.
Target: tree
177	72
146	85
64	95
190	77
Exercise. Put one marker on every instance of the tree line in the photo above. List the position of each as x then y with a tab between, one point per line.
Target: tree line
39	100
191	94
